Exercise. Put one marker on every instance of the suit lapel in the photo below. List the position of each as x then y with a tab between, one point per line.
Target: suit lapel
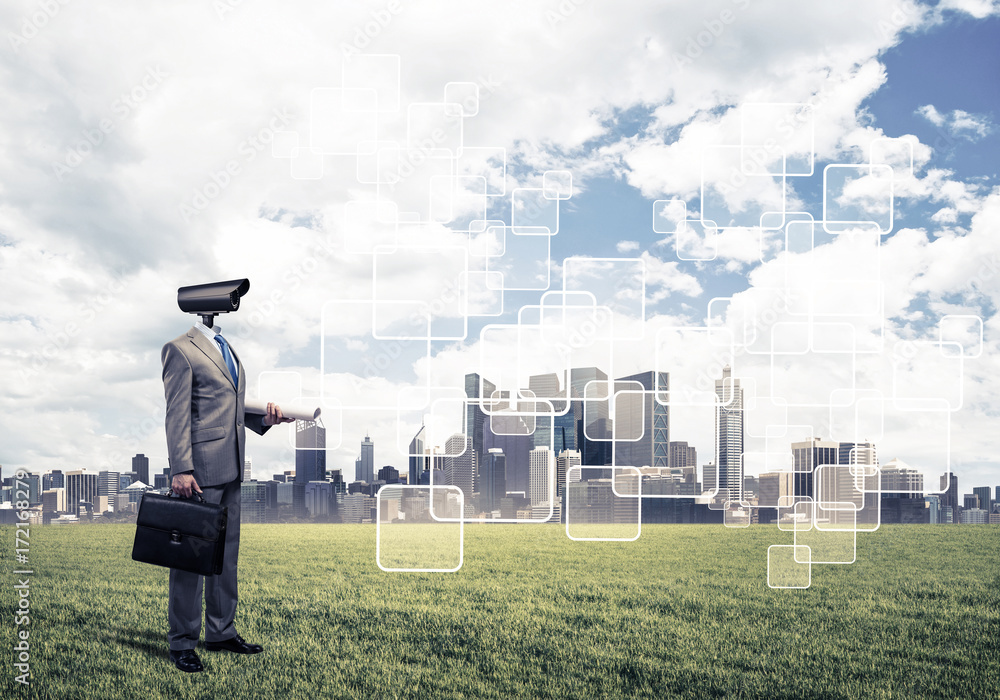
214	354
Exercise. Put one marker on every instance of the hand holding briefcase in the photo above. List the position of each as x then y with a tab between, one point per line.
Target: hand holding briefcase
180	533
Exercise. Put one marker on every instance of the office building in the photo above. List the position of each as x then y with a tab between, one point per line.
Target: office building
974	516
683	455
388	474
492	480
364	466
108	483
565	460
901	480
55	480
248	468
310	451
418	459
253	501
806	456
933	504
541	479
478	391
81	488
985	498
460	464
729	434
949	497
320	500
641	424
292	496
140	465
589	396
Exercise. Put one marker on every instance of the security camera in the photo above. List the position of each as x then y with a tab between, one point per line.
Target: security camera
208	300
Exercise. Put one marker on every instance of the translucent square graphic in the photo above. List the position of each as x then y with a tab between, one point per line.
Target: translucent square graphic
696	241
419	528
668	215
596	513
857	196
795	513
832	539
737	514
789	566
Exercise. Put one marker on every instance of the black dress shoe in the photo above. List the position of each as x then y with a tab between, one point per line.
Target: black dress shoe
236	645
186	660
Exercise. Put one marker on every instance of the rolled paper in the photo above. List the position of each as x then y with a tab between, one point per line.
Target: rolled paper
260	408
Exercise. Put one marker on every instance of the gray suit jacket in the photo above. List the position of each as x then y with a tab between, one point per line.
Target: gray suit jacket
205	415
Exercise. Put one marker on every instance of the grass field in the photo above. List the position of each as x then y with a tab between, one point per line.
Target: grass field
684	611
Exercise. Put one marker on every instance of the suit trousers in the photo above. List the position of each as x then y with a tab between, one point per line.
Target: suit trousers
184	603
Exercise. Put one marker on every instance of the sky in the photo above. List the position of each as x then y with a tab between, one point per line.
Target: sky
416	191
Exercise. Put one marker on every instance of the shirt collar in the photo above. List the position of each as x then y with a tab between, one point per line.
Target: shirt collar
209	333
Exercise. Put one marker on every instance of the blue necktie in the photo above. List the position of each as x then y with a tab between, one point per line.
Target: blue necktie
228	357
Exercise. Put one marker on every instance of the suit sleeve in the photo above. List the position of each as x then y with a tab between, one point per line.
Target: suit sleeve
255	422
177	382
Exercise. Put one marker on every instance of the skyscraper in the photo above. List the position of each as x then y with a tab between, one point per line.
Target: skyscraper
540	476
417	461
590	410
492	480
140	465
81	486
108	483
565	460
247	469
545	387
683	455
640	415
806	456
949	499
365	465
477	390
729	434
310	451
460	464
985	502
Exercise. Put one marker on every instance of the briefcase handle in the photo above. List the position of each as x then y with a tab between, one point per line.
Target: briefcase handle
197	493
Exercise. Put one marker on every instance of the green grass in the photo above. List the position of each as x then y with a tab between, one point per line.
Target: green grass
684	611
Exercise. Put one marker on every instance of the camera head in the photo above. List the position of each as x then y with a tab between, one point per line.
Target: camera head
209	300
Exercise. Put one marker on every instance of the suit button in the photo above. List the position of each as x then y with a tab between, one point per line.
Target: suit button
239	423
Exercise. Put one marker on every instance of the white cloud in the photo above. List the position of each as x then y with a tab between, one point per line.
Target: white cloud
958	123
627	246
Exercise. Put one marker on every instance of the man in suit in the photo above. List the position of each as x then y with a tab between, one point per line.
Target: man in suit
204	383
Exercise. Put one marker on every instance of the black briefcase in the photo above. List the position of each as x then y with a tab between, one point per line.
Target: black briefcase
180	533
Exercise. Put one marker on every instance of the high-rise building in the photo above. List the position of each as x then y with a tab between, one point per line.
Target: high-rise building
683	455
310	451
460	464
565	460
985	501
418	461
253	501
970	501
729	434
388	474
492	480
478	391
949	499
53	480
140	465
776	489
320	499
589	397
545	388
541	476
641	423
81	487
108	483
806	456
248	469
933	509
857	453
899	480
34	483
